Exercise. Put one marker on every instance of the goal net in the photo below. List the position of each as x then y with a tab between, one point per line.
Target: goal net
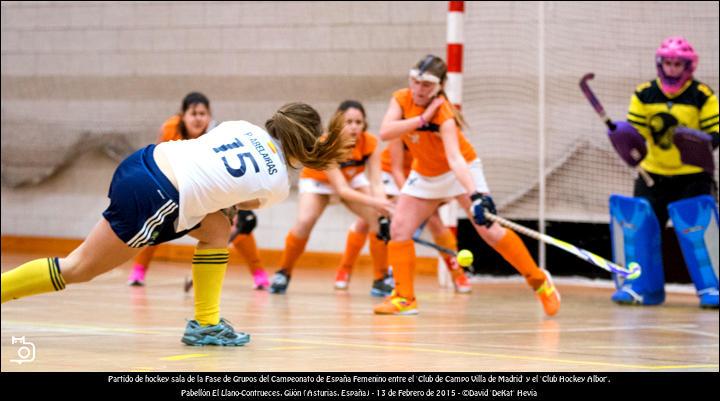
504	42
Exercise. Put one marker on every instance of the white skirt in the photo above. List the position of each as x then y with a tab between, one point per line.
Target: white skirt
391	188
445	185
313	186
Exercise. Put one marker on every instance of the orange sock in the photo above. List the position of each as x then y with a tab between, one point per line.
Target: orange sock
401	256
145	256
294	247
379	253
245	244
514	251
447	240
353	245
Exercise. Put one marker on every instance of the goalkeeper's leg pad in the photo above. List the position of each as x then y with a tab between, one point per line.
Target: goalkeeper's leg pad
696	225
635	234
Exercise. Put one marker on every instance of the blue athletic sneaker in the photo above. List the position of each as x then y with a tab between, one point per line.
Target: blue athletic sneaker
220	334
382	287
279	282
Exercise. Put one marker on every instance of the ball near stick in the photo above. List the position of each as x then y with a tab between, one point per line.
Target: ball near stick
634	271
464	258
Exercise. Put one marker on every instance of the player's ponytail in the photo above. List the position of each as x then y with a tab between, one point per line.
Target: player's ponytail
299	129
457	115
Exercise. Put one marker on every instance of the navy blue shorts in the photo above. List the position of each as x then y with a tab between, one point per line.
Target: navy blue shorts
143	202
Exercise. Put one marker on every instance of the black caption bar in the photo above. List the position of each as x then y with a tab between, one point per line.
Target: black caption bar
395	385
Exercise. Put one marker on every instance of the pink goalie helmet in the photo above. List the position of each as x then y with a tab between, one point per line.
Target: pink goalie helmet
675	47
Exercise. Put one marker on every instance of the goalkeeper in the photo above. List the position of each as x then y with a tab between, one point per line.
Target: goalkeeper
672	125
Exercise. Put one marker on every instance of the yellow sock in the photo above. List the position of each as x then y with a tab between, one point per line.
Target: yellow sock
34	277
208	269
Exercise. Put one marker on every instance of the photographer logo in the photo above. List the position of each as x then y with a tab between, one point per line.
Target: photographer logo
26	352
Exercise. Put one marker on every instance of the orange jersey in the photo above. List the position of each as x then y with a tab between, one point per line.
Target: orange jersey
425	143
407	160
364	146
171	129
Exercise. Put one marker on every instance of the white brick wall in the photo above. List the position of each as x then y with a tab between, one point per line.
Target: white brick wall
124	67
190	46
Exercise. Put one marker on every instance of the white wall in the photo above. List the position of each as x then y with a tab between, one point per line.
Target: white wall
69	67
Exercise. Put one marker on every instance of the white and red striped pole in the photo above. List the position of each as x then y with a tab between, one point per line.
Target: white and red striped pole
453	89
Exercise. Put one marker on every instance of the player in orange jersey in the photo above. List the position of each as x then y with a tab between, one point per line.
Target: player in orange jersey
396	162
444	166
194	120
366	199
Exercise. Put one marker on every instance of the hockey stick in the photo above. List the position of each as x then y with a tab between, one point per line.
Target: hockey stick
435	246
631	272
446	251
418	240
600	110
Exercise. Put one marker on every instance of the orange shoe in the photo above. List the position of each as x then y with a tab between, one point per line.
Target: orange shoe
342	278
549	296
460	280
394	305
461	283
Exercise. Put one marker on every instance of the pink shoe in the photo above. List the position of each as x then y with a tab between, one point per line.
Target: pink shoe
260	278
137	275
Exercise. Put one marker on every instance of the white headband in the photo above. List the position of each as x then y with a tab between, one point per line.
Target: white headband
425	76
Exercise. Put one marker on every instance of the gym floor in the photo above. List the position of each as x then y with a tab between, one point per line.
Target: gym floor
105	325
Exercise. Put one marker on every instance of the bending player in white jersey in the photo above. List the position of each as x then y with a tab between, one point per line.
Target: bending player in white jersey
165	191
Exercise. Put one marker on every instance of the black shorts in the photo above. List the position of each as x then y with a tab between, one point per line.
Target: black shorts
671	188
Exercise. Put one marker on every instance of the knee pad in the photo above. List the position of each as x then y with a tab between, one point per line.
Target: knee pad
635	235
246	222
696	225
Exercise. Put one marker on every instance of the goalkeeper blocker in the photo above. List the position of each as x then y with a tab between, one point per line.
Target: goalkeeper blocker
629	144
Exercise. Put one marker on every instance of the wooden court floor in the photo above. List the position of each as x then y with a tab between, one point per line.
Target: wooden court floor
105	325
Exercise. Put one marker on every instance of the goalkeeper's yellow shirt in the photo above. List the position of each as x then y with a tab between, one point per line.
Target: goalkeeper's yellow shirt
695	106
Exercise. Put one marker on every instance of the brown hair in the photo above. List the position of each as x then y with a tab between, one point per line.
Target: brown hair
437	67
298	127
191	99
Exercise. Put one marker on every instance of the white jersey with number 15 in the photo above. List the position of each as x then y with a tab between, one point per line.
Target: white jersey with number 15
233	163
